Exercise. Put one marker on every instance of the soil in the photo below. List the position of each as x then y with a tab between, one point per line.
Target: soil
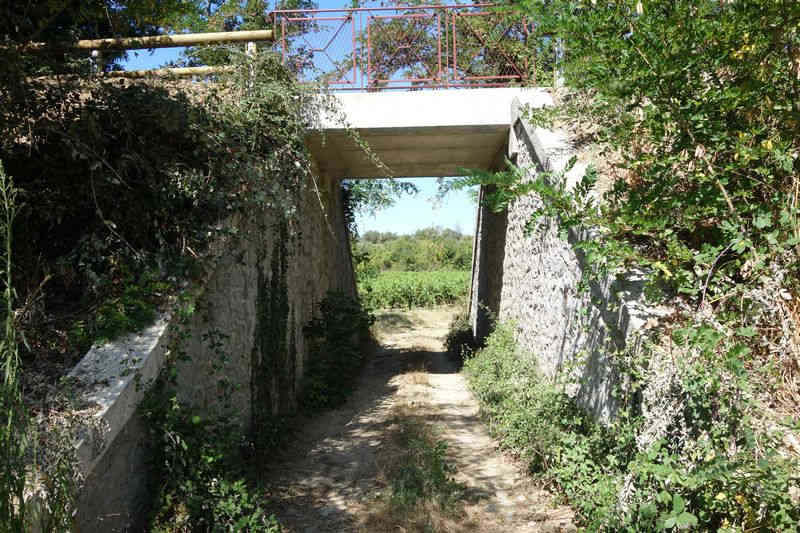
330	478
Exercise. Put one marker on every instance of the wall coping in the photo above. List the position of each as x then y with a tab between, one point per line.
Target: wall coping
113	378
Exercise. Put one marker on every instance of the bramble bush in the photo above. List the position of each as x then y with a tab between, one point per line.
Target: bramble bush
123	185
699	103
695	106
131	181
203	467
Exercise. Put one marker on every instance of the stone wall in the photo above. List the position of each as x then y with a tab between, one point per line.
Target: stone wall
243	348
488	254
533	282
247	343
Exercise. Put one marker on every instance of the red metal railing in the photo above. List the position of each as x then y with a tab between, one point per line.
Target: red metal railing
406	47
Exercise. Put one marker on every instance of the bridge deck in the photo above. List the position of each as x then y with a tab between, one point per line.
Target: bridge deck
420	133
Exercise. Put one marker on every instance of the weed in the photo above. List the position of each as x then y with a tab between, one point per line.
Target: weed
423	471
422	493
707	473
202	471
37	489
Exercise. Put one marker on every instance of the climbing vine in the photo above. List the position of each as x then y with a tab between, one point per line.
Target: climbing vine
273	356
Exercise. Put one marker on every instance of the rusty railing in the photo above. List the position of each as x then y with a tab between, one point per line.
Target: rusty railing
406	47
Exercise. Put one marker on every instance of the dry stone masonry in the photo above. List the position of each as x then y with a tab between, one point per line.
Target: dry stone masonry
532	279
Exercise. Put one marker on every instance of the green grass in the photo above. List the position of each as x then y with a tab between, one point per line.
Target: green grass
414	289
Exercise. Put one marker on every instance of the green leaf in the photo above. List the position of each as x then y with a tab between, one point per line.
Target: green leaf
678	504
685	520
748	332
648	511
762	220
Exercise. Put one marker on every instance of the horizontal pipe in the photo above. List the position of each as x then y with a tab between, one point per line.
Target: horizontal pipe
178	72
160	41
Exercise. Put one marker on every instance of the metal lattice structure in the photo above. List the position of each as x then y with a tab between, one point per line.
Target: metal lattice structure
406	47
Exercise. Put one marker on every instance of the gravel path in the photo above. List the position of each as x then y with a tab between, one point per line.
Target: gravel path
328	481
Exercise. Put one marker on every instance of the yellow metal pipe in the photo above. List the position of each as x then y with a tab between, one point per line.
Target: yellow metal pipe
181	72
162	41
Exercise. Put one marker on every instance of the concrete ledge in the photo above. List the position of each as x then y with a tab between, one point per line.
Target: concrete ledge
421	109
114	377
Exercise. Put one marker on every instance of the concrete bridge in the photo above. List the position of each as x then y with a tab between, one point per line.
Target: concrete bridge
419	133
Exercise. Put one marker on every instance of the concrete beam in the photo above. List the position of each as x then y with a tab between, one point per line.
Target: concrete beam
418	133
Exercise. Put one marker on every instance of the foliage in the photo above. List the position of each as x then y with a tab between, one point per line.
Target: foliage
24	490
422	471
414	289
489	47
427	249
123	186
202	461
230	15
460	341
203	464
695	105
616	484
15	443
700	99
368	196
131	183
336	356
62	21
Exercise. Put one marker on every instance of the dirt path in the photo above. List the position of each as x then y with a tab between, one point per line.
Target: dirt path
330	479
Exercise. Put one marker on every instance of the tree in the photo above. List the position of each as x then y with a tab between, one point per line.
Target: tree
231	15
492	47
63	21
368	196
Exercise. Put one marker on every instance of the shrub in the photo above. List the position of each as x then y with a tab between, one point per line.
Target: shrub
719	482
336	352
460	342
202	468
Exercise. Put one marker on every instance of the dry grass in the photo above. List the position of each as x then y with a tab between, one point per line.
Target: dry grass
788	393
408	441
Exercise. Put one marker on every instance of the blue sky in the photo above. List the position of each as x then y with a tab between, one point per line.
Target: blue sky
409	214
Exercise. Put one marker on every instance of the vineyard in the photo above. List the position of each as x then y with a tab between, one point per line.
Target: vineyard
414	289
